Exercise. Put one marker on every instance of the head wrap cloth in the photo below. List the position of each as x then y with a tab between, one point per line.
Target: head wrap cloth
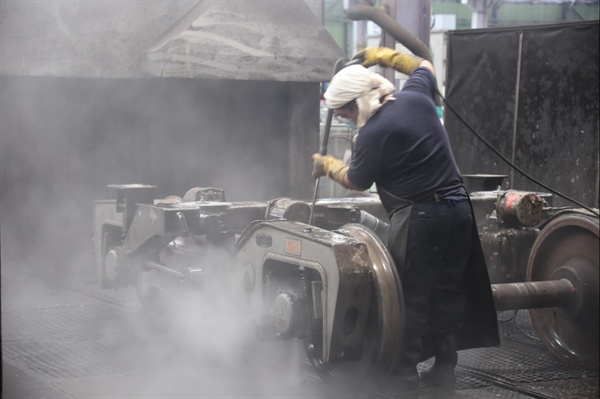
355	82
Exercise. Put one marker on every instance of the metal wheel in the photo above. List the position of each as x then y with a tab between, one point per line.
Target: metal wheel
385	321
568	248
111	260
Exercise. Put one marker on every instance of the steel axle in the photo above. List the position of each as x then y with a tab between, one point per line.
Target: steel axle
534	294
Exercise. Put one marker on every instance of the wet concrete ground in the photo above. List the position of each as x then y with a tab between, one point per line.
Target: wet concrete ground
81	342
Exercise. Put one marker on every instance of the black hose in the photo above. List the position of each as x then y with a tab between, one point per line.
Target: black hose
359	12
515	167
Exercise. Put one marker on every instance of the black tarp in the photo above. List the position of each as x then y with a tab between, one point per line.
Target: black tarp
532	92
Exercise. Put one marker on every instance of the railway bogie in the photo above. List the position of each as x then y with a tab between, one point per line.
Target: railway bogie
332	283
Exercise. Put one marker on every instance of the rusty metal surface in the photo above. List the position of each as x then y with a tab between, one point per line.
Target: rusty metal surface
568	248
249	40
517	208
389	314
534	294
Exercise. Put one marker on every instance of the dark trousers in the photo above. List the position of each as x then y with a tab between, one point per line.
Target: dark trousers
438	249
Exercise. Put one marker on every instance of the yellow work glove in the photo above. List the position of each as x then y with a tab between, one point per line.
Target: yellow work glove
384	56
326	165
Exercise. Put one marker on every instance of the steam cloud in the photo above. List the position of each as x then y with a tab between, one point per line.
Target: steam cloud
64	139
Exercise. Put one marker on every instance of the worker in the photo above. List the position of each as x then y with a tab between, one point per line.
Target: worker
404	149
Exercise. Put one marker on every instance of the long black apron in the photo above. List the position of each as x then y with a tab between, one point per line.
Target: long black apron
480	328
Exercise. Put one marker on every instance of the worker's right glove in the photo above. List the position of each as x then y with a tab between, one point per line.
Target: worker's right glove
326	165
384	56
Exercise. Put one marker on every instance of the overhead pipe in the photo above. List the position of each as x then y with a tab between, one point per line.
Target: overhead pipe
361	12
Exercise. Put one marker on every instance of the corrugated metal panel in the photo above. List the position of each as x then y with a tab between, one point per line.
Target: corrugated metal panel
249	40
78	38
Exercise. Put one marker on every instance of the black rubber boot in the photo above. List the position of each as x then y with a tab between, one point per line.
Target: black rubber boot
407	377
441	374
407	380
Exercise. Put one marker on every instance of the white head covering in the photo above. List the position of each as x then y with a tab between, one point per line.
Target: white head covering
355	82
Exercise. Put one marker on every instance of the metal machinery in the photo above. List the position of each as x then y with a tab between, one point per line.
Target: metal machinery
333	283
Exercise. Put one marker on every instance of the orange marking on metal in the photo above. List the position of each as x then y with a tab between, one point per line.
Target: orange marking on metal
293	247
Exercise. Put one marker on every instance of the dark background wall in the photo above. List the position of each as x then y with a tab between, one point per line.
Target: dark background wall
63	140
538	105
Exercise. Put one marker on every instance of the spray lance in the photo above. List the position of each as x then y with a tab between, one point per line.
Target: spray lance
339	65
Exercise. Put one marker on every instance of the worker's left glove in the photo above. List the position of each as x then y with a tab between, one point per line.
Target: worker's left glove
326	165
384	56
